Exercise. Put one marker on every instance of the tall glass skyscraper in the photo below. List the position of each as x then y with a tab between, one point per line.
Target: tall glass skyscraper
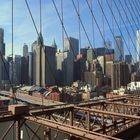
119	49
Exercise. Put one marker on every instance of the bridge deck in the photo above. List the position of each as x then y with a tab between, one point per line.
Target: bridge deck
31	99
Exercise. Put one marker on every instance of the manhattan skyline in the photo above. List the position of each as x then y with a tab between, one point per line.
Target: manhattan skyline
24	31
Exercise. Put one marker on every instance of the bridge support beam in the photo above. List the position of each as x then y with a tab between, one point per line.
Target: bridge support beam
18	130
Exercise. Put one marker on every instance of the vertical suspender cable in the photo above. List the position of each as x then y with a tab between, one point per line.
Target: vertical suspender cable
41	41
40	16
62	26
12	28
12	78
93	35
112	18
12	61
103	25
79	25
34	24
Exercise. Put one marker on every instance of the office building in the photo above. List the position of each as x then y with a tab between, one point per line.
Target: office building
119	49
103	51
128	59
38	62
91	54
59	68
102	62
71	45
25	65
30	71
93	78
2	50
64	68
54	45
17	69
44	63
83	51
120	75
79	68
25	50
50	66
68	68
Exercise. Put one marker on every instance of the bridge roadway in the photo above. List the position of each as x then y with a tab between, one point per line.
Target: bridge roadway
31	99
94	119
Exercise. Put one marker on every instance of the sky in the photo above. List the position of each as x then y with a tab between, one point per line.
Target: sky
24	31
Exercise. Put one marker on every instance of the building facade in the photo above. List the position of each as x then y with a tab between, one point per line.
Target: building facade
119	49
2	51
121	75
71	45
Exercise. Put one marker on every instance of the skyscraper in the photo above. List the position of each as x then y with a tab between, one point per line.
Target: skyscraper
30	71
44	64
17	69
25	50
119	49
2	51
50	65
54	45
24	65
120	75
71	45
138	45
36	68
128	59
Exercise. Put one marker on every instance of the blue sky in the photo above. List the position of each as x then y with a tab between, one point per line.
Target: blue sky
24	31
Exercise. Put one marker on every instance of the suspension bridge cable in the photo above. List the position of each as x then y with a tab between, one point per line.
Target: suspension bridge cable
133	19
136	22
3	61
103	25
117	23
132	10
98	25
40	11
109	26
112	19
40	65
79	25
62	17
125	25
33	21
92	23
136	8
64	29
118	27
83	28
40	3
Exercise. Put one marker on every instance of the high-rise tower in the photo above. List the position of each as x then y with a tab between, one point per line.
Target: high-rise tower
119	49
